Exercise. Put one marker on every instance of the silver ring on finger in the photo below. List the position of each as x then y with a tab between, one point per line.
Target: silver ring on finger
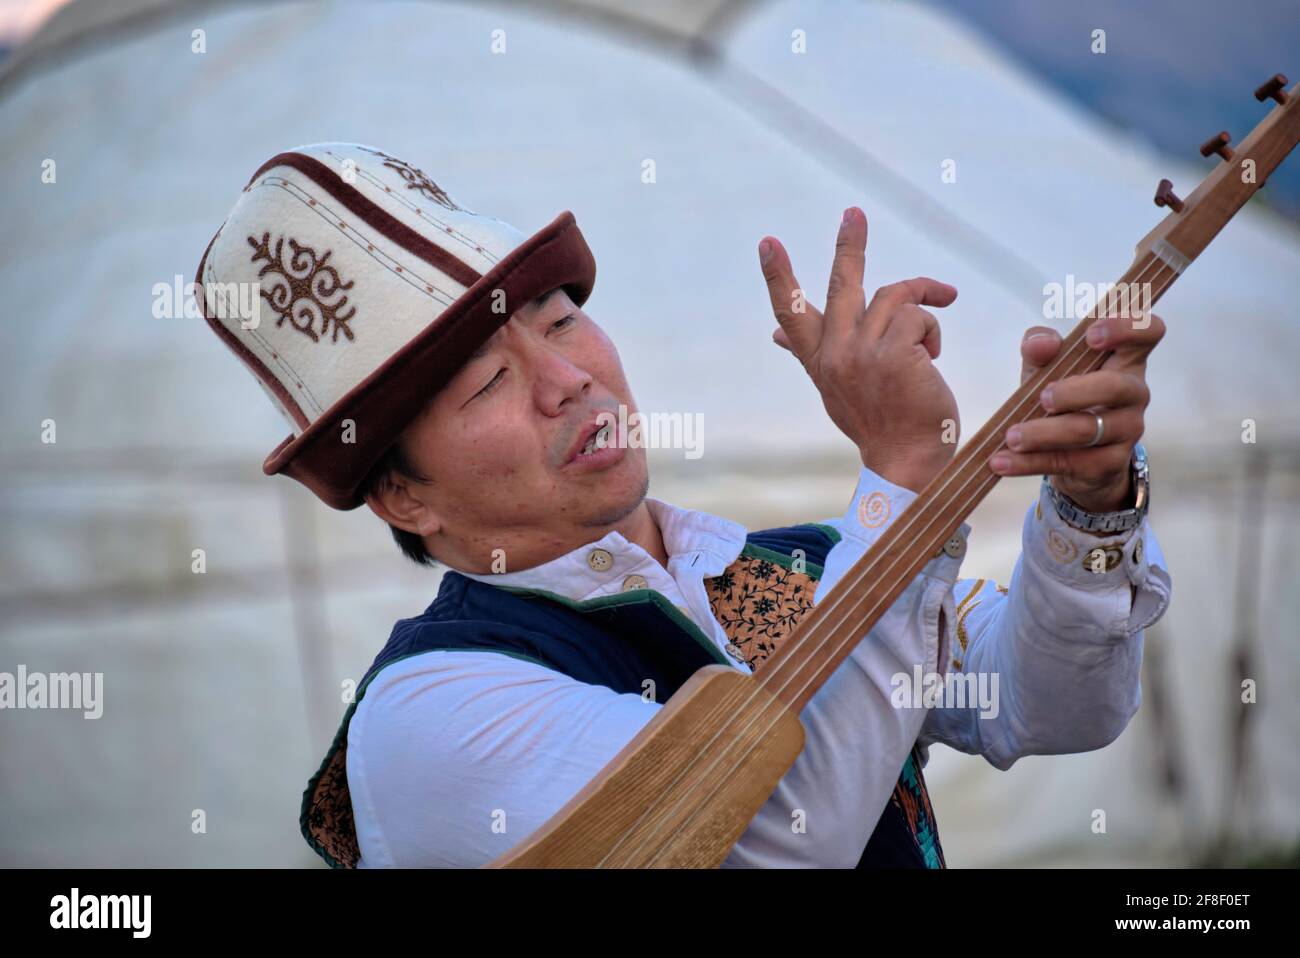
1101	429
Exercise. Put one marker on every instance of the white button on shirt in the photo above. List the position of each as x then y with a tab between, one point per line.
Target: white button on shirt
455	756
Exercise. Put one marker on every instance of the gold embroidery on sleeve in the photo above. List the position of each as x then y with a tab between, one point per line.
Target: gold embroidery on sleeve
961	623
963	609
967	607
979	584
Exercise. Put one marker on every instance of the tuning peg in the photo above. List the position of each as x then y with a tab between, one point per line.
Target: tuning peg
1273	88
1218	144
1165	197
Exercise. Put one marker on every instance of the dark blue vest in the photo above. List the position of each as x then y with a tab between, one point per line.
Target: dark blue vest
620	641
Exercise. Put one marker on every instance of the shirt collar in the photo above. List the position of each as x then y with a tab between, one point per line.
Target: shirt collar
698	545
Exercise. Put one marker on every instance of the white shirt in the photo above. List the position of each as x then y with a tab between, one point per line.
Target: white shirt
454	756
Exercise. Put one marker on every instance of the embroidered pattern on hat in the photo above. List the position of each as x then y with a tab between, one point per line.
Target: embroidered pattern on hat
416	180
304	289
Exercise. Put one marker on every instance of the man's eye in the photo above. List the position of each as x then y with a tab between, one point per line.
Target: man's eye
492	385
563	322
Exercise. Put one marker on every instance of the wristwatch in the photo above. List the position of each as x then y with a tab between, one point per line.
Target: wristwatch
1107	522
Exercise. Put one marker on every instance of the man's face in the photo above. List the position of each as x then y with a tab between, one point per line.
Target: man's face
502	445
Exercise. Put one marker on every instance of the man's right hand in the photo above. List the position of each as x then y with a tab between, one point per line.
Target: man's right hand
872	363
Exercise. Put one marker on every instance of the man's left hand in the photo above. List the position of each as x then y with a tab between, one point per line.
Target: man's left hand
1096	477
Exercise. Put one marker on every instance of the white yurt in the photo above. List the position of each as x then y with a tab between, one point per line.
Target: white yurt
679	134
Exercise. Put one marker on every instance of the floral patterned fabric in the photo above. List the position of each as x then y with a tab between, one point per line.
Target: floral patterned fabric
758	601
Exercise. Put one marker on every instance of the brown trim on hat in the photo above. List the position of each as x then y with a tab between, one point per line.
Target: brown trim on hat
393	228
386	401
250	359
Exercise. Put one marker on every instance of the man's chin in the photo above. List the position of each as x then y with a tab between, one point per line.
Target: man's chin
610	509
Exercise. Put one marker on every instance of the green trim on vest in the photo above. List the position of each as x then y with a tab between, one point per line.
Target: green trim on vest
829	531
631	597
811	569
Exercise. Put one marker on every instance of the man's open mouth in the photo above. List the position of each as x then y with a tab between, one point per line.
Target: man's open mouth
598	439
599	436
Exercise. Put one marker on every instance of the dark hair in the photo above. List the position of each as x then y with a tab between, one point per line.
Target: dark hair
395	461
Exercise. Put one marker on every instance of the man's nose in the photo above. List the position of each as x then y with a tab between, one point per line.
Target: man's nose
558	380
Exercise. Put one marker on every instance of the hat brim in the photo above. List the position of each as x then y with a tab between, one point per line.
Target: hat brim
386	401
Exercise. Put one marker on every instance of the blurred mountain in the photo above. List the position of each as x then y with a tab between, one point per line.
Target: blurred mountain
1174	71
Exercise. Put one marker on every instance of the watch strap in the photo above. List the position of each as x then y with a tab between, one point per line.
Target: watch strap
1121	520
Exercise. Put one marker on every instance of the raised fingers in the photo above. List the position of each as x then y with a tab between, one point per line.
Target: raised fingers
845	299
799	320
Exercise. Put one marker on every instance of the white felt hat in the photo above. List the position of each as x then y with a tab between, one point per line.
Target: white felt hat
371	287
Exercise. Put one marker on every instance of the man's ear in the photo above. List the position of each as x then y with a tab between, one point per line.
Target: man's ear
398	504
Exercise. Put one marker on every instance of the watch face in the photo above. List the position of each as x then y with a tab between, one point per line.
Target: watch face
1141	478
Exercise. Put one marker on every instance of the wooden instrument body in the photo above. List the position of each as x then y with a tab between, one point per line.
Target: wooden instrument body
722	736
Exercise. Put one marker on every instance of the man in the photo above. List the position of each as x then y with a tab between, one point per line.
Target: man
439	367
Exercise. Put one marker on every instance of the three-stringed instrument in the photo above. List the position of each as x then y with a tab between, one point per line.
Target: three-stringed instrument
682	792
